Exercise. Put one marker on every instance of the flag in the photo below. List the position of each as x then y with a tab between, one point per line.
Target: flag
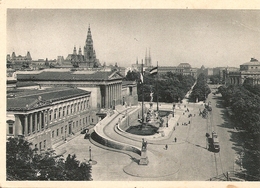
141	78
154	71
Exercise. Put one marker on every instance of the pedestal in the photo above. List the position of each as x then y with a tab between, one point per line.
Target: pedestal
144	159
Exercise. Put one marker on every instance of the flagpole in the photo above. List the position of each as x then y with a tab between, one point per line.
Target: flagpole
157	88
142	72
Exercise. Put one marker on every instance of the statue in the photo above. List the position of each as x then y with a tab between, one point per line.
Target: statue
151	95
144	145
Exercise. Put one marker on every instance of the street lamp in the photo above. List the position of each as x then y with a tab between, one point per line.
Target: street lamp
90	160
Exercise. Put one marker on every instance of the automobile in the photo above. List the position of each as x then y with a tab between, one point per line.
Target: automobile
84	131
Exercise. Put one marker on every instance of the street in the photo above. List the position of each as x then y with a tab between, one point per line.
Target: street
193	160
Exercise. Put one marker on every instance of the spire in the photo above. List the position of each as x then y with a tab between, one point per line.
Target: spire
28	56
80	51
75	51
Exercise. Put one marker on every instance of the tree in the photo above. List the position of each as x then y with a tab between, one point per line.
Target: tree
25	163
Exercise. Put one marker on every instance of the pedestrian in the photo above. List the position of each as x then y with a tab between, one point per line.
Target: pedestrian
189	122
175	139
166	147
177	124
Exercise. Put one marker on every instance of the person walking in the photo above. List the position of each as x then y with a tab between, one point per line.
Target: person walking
166	147
175	139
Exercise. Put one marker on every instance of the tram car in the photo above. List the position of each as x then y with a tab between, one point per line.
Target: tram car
215	142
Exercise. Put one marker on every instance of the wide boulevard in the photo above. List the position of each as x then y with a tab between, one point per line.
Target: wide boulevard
195	161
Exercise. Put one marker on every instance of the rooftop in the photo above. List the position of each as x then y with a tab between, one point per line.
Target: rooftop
68	76
32	99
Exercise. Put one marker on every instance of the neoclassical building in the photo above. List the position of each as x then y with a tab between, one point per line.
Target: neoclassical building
249	71
47	116
105	86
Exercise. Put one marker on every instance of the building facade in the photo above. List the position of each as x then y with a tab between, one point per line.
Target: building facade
18	62
45	117
105	86
249	71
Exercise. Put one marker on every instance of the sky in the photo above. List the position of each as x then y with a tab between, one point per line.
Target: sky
212	38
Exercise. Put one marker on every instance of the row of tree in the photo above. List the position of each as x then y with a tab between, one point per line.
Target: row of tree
201	89
171	87
25	163
244	102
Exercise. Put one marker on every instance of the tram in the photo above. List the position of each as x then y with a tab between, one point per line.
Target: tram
215	142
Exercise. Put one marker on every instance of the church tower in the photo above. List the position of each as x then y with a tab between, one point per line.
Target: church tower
89	52
147	60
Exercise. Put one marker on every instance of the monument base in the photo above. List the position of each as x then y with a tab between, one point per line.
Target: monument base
144	159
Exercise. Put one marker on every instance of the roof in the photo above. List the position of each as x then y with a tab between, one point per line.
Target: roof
33	99
252	63
69	76
26	84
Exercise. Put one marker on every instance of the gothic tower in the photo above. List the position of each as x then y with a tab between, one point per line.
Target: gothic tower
147	60
89	52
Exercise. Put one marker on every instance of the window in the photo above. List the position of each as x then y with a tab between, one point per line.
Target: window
83	121
55	114
52	134
71	109
76	123
73	125
86	120
57	132
68	107
64	109
44	144
35	146
130	90
78	107
59	112
50	115
80	122
11	129
92	120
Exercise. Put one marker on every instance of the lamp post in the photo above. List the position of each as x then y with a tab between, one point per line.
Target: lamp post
166	121
90	160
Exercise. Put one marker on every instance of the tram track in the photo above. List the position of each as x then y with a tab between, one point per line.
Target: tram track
217	156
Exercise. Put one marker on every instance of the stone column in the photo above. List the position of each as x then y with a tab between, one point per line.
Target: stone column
31	123
25	125
106	96
115	93
40	121
109	96
35	121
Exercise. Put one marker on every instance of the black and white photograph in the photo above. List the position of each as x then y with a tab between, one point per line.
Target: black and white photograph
131	94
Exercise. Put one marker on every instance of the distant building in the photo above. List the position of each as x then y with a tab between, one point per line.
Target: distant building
249	71
18	62
182	68
88	59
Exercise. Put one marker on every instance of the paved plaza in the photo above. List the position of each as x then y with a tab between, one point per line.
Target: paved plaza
187	159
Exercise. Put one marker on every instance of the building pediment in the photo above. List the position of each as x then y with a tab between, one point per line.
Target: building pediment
38	103
115	75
